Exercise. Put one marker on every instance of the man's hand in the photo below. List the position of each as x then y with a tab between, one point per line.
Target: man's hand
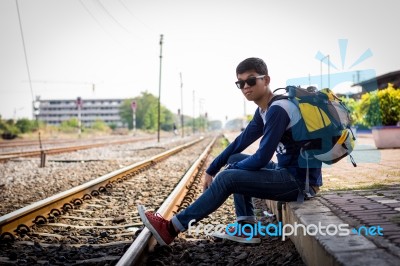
207	180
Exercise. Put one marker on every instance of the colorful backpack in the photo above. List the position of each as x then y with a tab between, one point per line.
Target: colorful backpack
329	137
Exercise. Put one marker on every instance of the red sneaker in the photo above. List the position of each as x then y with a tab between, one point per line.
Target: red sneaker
157	225
241	235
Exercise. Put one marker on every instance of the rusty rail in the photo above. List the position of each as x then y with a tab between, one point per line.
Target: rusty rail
21	219
11	155
144	241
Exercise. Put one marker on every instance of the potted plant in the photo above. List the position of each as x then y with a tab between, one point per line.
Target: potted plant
380	110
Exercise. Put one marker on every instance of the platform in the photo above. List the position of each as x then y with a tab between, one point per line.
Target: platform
365	200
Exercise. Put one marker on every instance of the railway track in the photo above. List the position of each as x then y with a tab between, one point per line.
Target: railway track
5	156
98	217
179	198
6	144
103	229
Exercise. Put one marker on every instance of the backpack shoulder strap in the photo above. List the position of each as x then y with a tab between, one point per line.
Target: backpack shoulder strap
276	98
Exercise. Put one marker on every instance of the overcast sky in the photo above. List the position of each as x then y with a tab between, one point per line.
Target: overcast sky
114	44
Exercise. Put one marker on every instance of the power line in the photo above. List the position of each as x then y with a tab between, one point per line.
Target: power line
98	22
134	16
105	10
23	44
111	16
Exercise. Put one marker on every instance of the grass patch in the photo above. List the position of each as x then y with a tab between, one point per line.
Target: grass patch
220	145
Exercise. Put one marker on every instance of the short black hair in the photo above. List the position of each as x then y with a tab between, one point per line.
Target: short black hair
252	63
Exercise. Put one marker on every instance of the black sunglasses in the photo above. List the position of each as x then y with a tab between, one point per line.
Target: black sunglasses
250	81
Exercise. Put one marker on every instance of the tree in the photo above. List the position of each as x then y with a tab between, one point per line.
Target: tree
25	125
146	113
167	119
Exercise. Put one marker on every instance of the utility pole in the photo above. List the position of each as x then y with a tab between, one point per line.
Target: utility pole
329	62
36	112
159	91
194	103
79	107
133	107
200	119
182	125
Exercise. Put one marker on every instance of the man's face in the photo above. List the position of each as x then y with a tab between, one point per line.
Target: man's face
257	91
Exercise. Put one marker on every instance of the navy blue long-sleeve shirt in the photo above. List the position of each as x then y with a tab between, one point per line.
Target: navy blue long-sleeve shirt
277	127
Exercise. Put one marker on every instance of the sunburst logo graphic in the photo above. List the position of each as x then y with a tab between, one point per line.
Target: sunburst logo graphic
341	82
343	76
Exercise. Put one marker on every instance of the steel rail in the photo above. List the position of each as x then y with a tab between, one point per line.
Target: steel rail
12	155
18	143
29	215
144	240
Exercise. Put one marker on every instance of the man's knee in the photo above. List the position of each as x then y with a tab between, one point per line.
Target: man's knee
223	178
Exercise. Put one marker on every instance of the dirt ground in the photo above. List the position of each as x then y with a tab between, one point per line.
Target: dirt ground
375	168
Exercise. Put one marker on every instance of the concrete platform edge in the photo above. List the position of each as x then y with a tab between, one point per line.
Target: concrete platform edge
328	250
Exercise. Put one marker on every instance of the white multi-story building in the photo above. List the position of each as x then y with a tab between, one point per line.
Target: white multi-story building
54	112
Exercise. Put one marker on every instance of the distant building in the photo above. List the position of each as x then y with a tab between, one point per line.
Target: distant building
380	82
54	112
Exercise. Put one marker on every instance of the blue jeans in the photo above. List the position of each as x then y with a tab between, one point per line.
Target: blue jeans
267	183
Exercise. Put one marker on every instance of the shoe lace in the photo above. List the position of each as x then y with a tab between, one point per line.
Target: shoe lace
159	217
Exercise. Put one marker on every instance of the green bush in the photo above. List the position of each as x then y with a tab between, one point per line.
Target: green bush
353	106
380	108
69	126
113	126
100	125
25	125
8	130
